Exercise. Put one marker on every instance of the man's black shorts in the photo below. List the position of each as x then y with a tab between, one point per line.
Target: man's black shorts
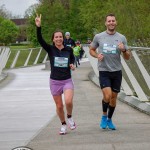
110	79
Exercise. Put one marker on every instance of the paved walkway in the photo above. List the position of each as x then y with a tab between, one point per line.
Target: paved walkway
28	110
26	105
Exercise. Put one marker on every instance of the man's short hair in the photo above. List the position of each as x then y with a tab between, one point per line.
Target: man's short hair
111	14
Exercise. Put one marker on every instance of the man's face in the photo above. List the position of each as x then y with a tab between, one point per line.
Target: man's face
110	23
67	36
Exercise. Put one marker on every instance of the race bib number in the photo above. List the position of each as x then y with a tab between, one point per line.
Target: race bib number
61	62
109	49
69	45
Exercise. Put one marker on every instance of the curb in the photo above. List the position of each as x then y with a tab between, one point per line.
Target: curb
130	100
3	76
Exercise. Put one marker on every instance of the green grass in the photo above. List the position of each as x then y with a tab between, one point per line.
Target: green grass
21	47
143	55
24	52
22	57
138	75
11	58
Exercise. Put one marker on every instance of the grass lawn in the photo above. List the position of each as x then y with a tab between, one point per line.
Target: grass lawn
21	47
24	52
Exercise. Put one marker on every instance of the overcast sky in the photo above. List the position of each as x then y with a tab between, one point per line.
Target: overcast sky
17	7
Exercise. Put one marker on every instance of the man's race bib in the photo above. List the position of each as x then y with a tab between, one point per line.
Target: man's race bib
61	62
109	49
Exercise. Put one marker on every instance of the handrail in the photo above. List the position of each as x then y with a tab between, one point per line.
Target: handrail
140	93
125	84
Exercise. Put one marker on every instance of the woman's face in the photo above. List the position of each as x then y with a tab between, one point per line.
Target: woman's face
58	39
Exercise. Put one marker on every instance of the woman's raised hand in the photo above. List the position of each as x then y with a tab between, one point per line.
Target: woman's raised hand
38	20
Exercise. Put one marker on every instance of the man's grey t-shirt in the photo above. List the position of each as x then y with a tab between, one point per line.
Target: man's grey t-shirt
108	45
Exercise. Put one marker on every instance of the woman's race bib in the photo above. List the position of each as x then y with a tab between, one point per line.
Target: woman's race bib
61	62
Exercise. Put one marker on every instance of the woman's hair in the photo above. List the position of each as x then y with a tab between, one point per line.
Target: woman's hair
58	30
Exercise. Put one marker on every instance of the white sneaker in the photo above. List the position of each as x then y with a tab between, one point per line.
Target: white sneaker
63	129
71	123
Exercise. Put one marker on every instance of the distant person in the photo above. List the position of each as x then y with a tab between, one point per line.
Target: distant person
110	45
68	41
76	52
89	41
61	62
78	43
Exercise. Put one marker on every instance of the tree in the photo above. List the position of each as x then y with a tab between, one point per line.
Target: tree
8	30
31	10
84	18
49	22
4	13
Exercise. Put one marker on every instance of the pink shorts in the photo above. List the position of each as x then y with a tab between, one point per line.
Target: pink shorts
57	87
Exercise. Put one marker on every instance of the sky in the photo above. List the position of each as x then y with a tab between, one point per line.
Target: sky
17	7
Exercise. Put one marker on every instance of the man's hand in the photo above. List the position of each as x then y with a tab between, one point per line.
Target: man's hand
95	54
38	20
121	47
100	57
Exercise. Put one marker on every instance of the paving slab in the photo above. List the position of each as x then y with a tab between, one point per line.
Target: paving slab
133	126
26	105
28	118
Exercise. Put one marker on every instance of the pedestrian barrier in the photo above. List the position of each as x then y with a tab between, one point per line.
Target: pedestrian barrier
17	55
136	71
136	78
4	55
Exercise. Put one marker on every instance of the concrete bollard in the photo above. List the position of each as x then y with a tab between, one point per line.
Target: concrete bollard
47	65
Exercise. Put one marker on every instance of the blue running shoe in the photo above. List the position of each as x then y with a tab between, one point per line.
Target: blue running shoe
103	123
110	124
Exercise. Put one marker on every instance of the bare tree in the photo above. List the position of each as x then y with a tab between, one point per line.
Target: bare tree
30	11
5	13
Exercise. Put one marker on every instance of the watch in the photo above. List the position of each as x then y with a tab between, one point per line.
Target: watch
124	51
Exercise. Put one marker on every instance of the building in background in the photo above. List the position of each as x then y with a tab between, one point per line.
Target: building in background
21	23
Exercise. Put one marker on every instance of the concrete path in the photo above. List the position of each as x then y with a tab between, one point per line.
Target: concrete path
133	127
26	105
28	118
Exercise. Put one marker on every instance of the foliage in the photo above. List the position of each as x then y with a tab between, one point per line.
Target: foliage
8	31
84	18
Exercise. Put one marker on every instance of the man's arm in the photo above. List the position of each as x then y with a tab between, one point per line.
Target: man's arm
39	34
124	49
126	54
95	54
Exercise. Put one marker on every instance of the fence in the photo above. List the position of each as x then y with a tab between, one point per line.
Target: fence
22	58
136	71
4	55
